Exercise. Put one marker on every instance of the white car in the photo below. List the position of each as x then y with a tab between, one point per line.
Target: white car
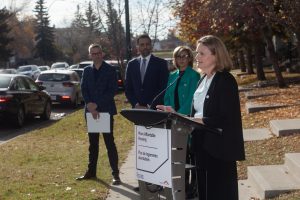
83	64
29	70
44	67
62	85
60	65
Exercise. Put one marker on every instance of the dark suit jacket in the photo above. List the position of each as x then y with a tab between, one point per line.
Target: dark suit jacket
222	110
155	81
102	90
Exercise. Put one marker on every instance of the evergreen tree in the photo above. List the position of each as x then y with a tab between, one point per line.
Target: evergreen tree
44	34
79	21
115	31
5	52
91	20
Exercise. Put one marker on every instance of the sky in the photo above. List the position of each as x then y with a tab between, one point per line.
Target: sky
61	12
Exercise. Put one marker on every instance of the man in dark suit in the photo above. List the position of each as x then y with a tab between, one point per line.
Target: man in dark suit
98	85
146	76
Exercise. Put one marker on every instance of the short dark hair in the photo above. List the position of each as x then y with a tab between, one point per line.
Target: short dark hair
142	37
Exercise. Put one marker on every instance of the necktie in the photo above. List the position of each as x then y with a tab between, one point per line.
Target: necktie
143	69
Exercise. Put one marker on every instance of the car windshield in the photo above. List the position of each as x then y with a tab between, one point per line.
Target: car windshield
54	77
58	66
24	69
4	81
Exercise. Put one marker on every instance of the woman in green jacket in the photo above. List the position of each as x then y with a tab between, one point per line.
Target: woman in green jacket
179	96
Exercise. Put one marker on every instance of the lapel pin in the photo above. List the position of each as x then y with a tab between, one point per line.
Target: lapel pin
207	97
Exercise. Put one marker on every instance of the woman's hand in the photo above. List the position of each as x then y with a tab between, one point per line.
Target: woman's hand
165	108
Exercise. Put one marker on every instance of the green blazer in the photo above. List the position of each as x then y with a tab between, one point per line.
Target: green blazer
186	88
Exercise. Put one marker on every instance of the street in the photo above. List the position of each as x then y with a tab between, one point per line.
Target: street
8	132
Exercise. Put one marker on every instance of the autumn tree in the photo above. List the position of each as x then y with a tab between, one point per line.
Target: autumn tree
44	48
288	13
234	20
5	40
23	33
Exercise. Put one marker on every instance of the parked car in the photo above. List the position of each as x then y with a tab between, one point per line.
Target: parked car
60	65
79	72
120	79
43	68
21	97
83	64
75	66
8	71
62	85
29	70
171	66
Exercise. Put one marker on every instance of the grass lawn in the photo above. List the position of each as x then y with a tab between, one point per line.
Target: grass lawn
44	163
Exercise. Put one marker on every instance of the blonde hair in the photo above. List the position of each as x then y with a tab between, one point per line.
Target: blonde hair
219	50
95	46
178	50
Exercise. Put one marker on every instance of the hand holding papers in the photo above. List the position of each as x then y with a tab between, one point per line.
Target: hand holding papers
98	125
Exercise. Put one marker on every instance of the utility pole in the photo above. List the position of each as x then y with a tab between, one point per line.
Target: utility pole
128	39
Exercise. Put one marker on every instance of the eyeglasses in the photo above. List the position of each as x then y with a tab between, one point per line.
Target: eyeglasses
182	56
95	54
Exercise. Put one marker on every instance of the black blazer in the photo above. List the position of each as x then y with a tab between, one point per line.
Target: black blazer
155	81
222	110
102	90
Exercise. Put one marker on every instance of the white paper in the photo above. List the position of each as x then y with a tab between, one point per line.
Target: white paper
153	155
100	125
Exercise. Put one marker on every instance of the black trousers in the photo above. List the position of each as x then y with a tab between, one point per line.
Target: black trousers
217	179
110	147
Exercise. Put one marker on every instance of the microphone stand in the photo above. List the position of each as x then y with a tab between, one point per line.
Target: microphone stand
156	97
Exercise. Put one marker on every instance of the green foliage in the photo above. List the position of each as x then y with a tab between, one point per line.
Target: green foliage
44	48
91	21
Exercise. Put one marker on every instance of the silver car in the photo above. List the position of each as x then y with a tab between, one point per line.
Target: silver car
62	85
29	70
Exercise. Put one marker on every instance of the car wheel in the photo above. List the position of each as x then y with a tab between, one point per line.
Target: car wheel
47	111
20	117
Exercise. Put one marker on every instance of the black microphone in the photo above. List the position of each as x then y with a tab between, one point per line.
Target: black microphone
156	97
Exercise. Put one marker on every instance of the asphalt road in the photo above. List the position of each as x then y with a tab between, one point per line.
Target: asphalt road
8	132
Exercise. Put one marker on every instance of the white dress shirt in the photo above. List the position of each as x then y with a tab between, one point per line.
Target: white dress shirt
200	95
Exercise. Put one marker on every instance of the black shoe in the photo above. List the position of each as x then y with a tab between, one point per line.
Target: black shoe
136	189
87	176
116	180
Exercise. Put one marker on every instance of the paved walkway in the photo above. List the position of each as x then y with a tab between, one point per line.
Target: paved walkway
129	181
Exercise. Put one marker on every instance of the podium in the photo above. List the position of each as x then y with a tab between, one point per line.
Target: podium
180	127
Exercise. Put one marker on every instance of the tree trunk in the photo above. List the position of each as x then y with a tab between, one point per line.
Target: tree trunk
274	58
249	59
298	43
258	53
242	61
235	61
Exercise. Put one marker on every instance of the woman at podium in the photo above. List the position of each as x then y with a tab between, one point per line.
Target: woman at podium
182	84
216	104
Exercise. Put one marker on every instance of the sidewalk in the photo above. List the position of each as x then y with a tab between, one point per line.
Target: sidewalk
129	181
